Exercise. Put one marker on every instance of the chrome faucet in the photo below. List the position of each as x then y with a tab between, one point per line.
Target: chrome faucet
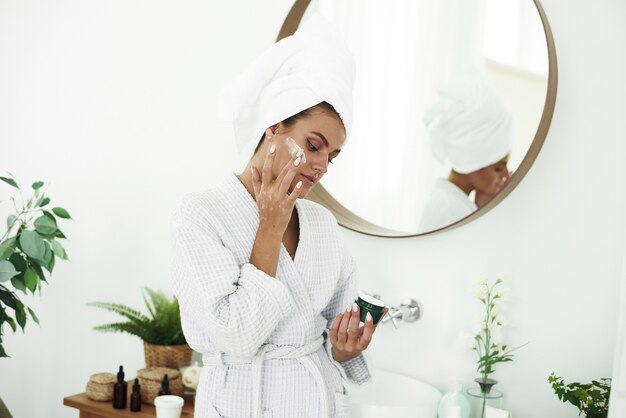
410	310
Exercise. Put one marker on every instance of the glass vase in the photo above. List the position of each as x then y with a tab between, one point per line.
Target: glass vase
484	395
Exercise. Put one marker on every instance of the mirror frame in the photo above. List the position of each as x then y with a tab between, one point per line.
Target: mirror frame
350	220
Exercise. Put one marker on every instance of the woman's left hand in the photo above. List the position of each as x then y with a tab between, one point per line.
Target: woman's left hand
346	338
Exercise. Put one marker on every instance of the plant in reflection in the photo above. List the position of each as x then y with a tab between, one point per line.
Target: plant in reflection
488	341
27	248
590	398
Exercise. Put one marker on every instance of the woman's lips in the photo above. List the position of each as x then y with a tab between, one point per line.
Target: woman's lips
310	180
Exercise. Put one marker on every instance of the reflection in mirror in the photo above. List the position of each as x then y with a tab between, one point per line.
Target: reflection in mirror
408	56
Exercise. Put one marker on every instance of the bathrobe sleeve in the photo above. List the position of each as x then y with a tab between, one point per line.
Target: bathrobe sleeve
356	369
235	307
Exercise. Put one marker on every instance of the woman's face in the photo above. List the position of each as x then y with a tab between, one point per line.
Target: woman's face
491	179
320	135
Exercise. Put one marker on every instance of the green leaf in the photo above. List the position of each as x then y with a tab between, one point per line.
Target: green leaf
44	201
32	244
58	250
61	213
18	261
11	221
37	185
32	279
11	322
18	282
59	234
20	316
35	266
7	271
45	226
49	258
7	248
32	314
10	181
7	298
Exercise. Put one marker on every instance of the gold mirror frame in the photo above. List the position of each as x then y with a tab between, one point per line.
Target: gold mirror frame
350	220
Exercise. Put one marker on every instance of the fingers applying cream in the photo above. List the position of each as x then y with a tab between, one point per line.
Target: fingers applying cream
294	149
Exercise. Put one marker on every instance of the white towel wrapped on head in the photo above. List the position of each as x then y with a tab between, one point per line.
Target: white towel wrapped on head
469	125
311	66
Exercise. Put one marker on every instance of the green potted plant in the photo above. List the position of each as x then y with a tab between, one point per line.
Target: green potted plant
592	399
27	249
161	332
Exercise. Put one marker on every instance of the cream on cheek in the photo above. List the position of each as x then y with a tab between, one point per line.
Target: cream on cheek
294	148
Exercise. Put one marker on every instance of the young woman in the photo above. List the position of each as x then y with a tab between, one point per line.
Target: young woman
265	283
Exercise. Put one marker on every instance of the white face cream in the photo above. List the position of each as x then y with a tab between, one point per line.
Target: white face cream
370	299
294	148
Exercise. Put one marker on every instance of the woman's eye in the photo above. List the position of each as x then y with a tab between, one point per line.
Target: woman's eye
311	146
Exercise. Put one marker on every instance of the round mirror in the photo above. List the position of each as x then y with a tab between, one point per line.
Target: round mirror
452	103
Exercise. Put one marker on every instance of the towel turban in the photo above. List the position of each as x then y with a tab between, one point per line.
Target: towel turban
469	125
298	72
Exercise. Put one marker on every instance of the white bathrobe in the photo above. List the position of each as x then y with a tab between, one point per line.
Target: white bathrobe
264	339
446	204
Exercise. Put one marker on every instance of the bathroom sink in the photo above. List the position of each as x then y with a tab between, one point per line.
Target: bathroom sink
391	394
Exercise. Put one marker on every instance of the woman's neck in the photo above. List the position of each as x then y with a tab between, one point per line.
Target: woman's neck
461	181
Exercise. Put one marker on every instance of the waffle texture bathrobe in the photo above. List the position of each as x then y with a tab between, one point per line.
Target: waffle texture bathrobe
264	340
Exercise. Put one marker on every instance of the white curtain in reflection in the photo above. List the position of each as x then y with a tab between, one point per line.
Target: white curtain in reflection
403	50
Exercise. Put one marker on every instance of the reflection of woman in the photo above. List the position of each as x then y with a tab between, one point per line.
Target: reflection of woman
471	129
262	275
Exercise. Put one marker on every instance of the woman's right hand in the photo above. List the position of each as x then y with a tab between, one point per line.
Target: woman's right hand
272	196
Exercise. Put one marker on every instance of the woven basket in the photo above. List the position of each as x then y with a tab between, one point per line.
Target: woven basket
100	386
172	356
150	380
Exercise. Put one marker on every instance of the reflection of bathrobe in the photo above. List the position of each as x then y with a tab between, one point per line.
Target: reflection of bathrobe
236	315
447	204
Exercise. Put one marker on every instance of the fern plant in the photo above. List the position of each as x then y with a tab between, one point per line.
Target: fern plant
162	327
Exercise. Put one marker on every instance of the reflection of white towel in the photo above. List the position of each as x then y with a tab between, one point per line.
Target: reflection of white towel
469	125
309	67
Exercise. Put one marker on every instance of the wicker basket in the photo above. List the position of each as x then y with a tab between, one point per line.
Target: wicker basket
100	386
172	356
150	380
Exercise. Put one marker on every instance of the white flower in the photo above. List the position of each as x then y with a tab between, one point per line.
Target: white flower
494	328
482	281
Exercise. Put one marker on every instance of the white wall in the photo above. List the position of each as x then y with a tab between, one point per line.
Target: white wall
115	104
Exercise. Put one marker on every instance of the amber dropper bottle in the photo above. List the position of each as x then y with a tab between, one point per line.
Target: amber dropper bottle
165	386
120	390
135	397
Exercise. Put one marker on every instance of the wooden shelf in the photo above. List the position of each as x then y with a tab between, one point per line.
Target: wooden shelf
95	409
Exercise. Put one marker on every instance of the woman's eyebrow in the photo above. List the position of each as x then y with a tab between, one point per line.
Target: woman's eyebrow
323	138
